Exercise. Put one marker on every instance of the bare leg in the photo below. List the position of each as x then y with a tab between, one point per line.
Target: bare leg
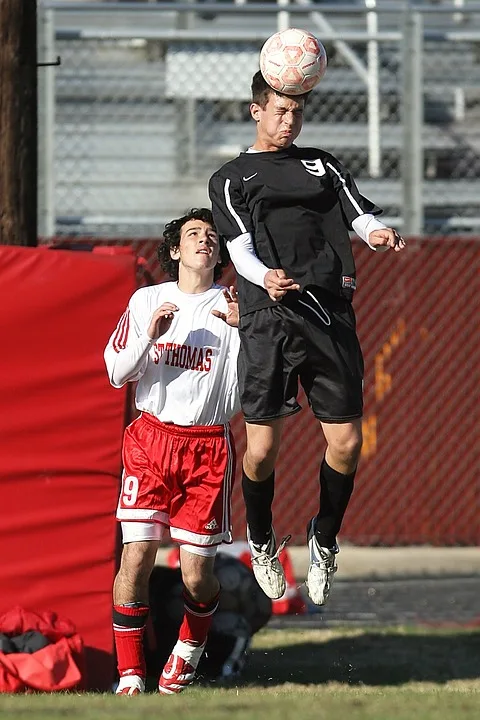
263	444
131	583
344	445
198	576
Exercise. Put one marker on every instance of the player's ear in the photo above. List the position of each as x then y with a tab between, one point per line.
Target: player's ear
255	111
175	253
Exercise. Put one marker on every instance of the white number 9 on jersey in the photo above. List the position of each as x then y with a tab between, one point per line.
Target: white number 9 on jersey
130	490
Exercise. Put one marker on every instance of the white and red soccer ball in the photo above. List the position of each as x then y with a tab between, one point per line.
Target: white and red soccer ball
293	61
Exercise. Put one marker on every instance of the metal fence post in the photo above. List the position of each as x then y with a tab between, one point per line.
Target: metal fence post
187	115
412	109
283	17
374	153
46	123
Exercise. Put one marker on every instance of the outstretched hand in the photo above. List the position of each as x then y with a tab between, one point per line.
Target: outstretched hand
277	284
386	238
231	317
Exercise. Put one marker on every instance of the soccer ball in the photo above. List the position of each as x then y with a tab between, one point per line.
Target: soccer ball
240	593
293	61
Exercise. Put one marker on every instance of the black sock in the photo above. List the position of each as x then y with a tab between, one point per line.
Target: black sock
258	497
335	492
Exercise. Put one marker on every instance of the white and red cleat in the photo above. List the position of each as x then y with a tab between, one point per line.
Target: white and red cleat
130	685
180	668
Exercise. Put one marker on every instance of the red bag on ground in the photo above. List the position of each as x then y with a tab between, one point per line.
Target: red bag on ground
58	666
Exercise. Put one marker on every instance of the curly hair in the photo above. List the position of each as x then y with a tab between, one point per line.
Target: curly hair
171	240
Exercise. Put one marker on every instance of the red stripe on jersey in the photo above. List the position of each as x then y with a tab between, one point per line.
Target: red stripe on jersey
126	328
120	338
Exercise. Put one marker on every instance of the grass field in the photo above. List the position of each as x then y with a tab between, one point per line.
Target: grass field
340	674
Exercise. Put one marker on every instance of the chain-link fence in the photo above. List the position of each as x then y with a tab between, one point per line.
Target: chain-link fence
418	477
147	104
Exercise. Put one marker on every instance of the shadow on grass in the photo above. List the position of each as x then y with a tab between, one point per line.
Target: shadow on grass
369	659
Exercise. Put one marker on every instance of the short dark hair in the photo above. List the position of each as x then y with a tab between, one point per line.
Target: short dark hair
261	91
171	240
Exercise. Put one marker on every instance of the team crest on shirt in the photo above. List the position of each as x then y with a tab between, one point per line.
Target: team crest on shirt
314	167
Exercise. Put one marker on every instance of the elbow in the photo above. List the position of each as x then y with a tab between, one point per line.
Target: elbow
116	381
114	377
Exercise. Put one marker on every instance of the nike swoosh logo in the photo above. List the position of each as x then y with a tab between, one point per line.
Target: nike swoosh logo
246	179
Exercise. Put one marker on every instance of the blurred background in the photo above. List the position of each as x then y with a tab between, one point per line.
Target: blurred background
151	97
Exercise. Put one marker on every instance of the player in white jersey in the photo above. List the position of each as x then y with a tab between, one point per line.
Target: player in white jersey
179	340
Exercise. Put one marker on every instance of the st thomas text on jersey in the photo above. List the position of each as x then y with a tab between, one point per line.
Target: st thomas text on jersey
183	356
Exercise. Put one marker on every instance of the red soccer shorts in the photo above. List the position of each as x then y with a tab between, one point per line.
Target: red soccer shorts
179	476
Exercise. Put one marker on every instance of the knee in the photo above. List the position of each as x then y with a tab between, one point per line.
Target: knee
202	587
346	450
137	561
263	443
260	457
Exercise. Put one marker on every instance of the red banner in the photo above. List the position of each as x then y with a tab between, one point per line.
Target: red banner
60	434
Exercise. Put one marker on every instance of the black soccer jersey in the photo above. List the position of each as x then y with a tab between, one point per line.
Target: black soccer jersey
298	204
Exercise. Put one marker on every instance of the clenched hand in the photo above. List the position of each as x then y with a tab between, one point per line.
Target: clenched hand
277	284
161	320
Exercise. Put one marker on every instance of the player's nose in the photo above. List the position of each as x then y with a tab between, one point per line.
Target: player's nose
204	242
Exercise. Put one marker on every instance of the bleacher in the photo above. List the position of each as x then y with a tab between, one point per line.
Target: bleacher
123	166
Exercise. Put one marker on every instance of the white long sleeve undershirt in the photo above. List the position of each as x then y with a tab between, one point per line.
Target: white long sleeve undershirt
248	265
363	225
129	363
246	262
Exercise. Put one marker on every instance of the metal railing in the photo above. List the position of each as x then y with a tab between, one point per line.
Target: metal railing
152	97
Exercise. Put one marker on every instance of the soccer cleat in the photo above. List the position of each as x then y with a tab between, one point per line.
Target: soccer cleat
322	568
179	670
130	685
266	566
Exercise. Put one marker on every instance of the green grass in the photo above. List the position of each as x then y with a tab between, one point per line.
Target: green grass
340	674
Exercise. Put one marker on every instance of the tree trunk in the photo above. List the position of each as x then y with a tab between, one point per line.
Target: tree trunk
18	122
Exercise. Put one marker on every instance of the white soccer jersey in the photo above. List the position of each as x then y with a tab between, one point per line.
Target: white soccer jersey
189	375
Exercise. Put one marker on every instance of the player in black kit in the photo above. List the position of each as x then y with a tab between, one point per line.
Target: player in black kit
285	212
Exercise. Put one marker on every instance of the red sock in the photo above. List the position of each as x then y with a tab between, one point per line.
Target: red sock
128	630
197	619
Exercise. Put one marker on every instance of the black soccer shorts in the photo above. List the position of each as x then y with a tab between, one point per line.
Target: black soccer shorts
313	340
